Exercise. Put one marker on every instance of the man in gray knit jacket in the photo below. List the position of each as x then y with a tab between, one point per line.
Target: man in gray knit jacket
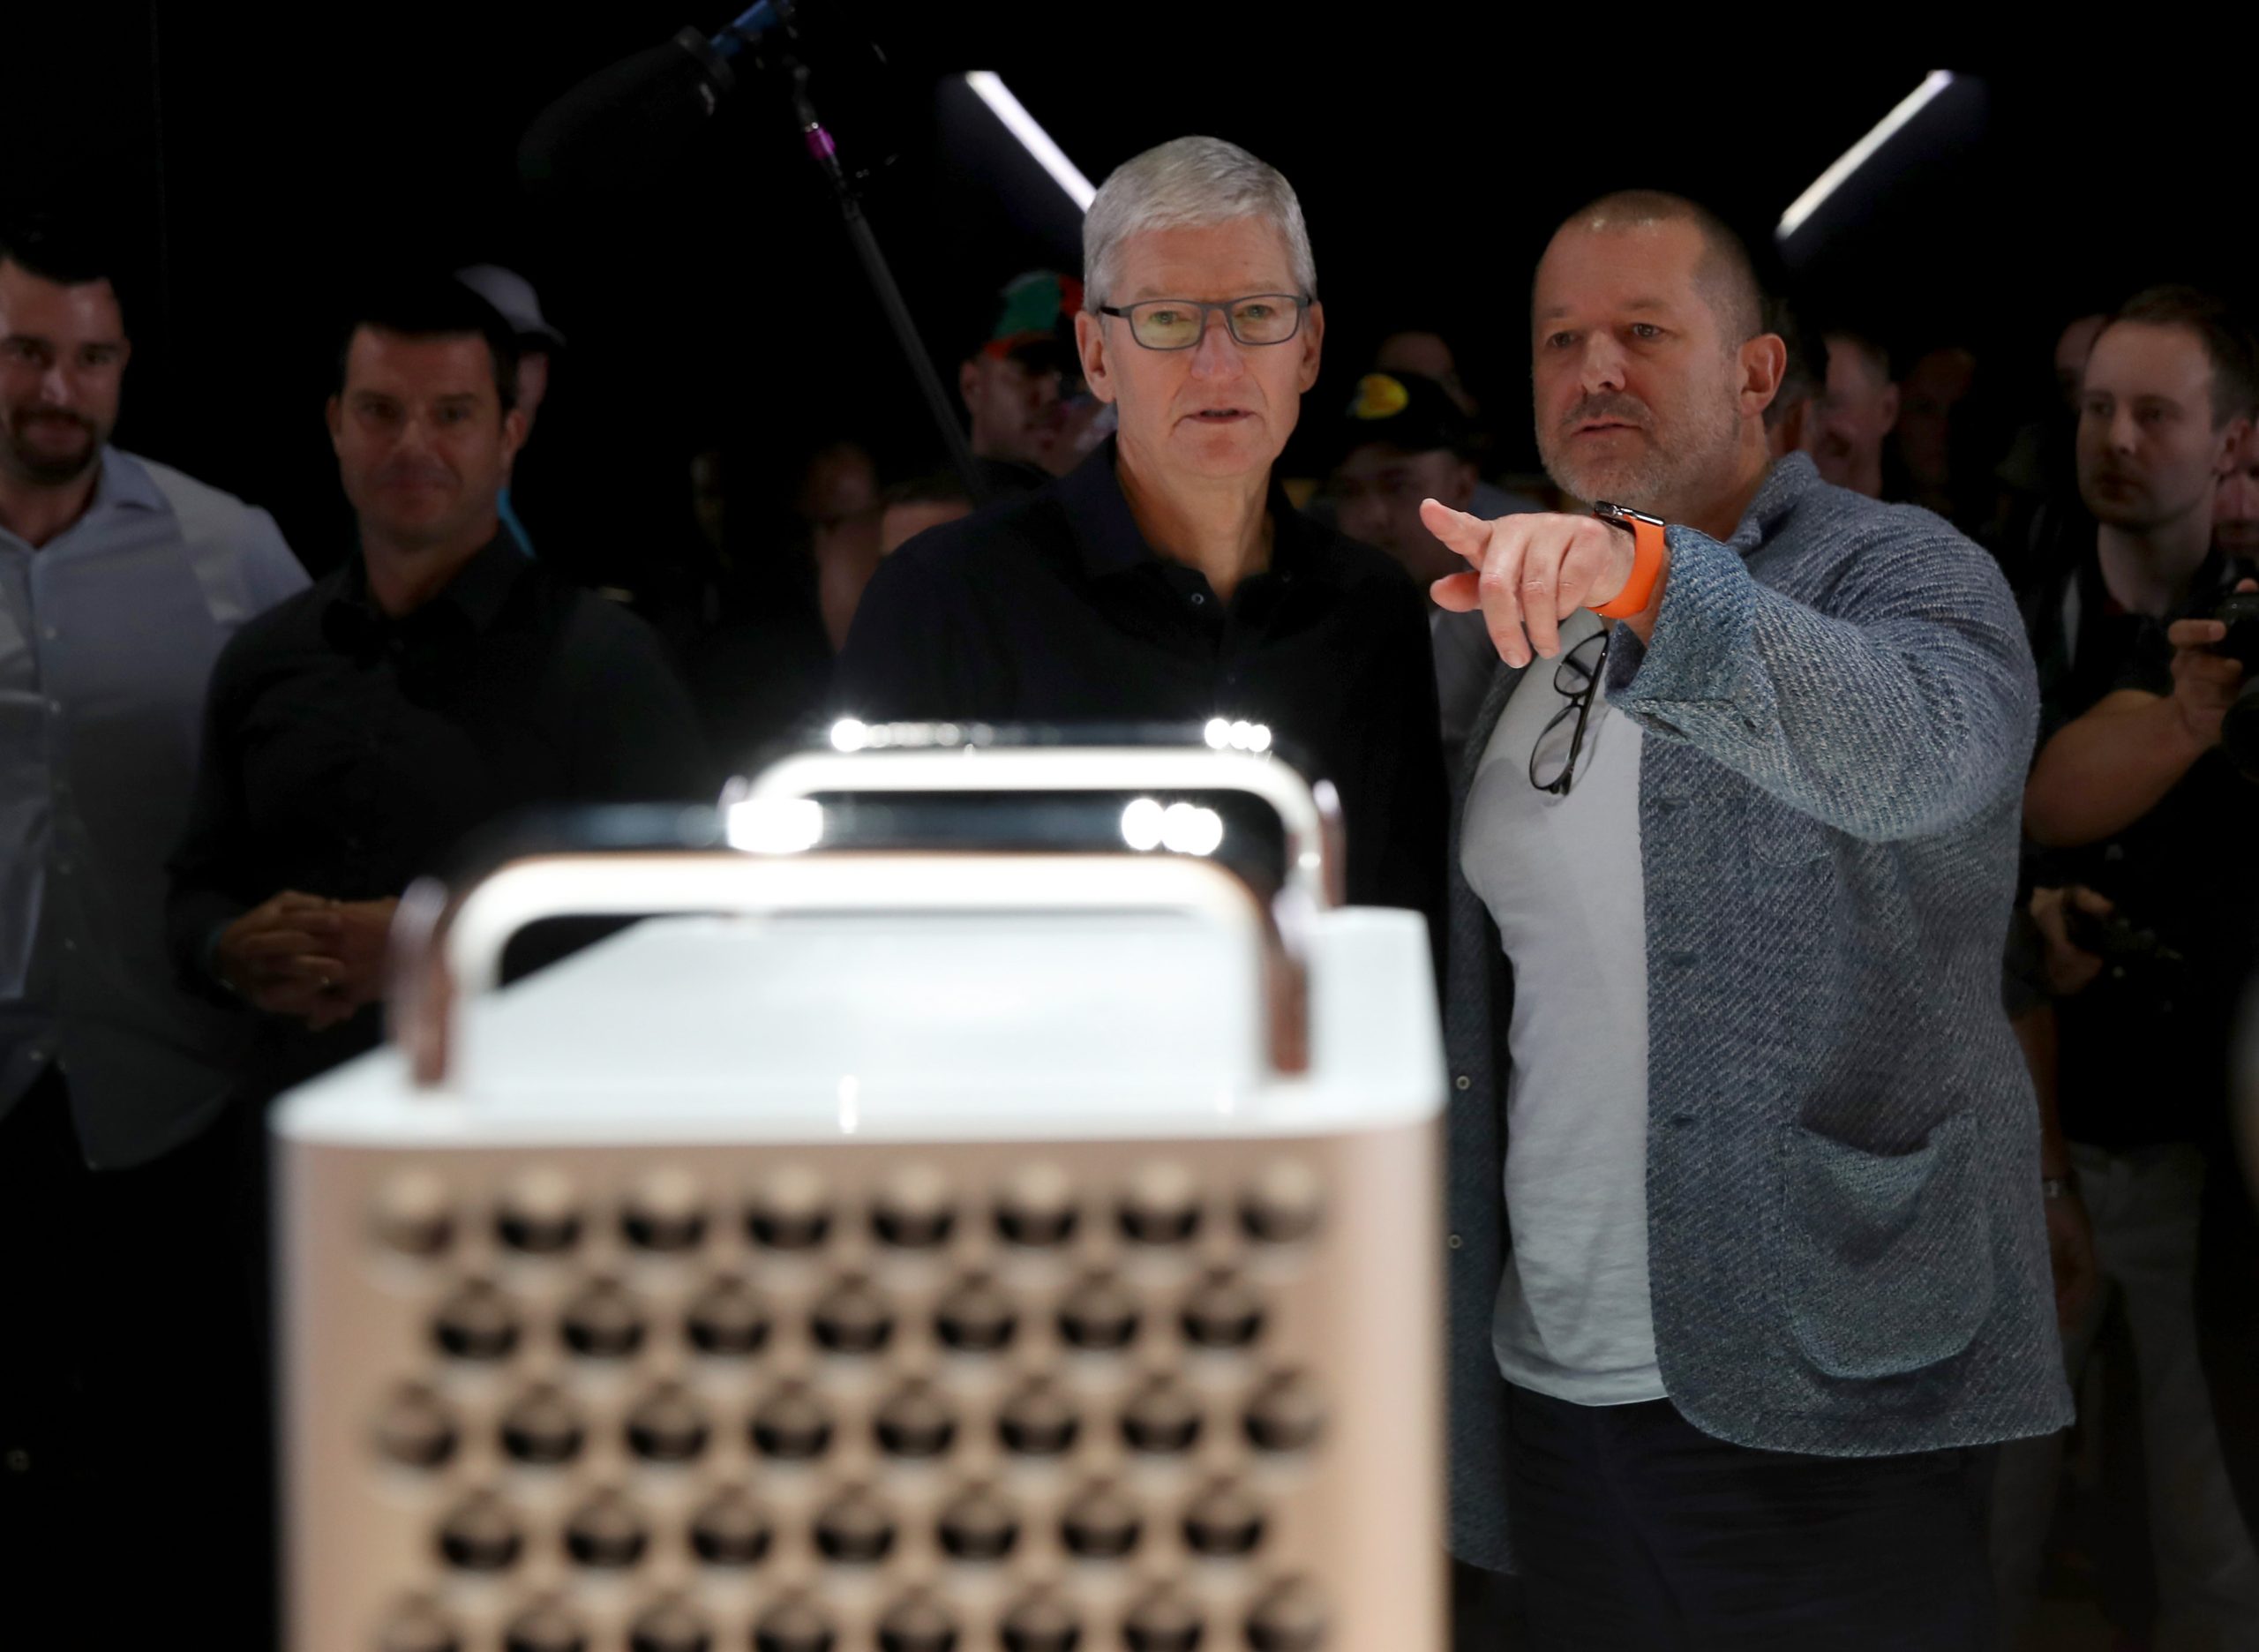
1744	1190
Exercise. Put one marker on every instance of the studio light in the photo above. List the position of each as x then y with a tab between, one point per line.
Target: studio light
1048	156
1862	152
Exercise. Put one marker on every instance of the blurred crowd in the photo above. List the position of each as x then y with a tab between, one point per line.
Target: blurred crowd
217	777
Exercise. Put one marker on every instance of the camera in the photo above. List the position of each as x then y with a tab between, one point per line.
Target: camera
2239	612
2123	945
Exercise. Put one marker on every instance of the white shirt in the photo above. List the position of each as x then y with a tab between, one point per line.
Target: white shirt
1562	878
106	634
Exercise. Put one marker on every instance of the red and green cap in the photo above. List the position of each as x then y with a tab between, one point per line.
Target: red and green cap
1037	308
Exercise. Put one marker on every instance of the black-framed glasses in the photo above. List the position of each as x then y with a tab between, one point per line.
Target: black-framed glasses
1167	324
1577	682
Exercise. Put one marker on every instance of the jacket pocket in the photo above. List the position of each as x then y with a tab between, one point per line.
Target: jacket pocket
1886	1259
1781	834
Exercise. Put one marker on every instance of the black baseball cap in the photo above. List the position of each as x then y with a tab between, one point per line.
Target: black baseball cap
1404	411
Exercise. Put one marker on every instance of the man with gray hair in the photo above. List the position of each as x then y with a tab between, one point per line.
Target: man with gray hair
1167	579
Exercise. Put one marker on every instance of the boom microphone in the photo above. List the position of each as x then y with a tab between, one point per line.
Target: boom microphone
609	132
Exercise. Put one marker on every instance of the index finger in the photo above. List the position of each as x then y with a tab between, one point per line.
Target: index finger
2195	633
1469	536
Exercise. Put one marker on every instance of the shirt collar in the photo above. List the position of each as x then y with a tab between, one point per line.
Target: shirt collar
124	483
1785	484
477	592
120	482
1108	535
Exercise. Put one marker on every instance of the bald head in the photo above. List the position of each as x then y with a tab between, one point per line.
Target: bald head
1725	277
1650	366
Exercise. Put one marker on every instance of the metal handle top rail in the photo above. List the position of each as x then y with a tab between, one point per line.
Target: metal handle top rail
1310	814
447	942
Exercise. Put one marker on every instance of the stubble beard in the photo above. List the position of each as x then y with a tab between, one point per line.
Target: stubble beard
27	464
1673	471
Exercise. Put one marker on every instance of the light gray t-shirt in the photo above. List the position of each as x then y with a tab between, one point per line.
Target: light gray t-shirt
1562	878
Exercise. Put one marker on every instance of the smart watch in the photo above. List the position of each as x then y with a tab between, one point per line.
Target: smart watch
1647	561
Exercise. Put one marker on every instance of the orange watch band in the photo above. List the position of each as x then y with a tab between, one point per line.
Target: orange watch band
1646	568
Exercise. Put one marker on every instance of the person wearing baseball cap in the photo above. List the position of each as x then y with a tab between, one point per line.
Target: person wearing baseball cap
514	298
1400	439
1015	383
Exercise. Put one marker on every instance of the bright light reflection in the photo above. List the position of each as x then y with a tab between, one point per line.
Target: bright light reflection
775	825
1188	828
1141	824
1237	734
849	734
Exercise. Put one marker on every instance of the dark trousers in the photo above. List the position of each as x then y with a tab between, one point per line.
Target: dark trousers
1636	1532
134	1461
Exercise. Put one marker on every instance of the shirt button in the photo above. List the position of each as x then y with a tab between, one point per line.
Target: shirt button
1680	960
1455	1242
1463	1082
1198	599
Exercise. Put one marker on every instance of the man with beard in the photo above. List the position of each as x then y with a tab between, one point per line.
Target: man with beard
437	681
1745	1182
2146	820
2160	429
1853	414
120	580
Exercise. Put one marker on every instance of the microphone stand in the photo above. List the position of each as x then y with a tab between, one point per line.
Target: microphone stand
825	153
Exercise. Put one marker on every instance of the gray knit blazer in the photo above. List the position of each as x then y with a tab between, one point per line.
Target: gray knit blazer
1846	1245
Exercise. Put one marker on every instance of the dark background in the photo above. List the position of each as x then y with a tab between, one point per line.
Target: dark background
254	169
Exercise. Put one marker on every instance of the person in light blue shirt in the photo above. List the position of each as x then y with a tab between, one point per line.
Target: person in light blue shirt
515	299
125	1215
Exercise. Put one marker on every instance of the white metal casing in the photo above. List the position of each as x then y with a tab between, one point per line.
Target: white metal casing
855	1058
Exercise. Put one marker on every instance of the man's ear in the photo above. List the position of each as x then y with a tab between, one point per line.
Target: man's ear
1889	408
2230	452
968	379
1764	364
1090	344
1312	340
514	435
332	415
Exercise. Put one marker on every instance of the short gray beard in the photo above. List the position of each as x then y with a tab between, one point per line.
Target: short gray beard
1665	483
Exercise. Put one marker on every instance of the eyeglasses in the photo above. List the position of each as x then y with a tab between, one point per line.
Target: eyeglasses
1167	324
1576	682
